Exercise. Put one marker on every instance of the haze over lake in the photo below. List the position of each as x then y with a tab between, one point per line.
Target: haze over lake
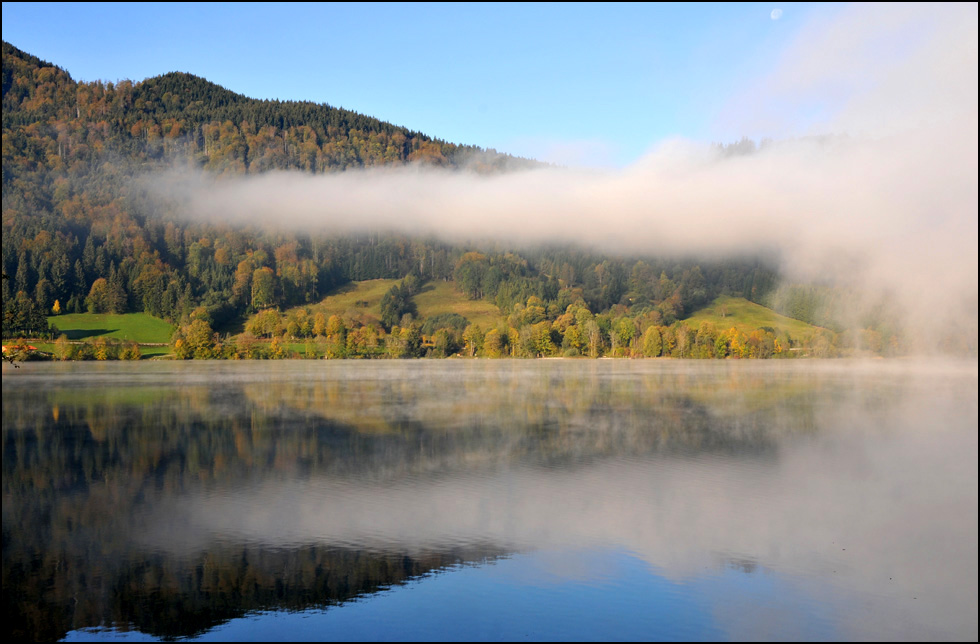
574	499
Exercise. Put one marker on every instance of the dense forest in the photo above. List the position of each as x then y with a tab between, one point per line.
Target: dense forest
80	234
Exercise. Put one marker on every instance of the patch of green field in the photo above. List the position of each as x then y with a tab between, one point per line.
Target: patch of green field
442	297
361	300
151	352
304	349
138	327
727	312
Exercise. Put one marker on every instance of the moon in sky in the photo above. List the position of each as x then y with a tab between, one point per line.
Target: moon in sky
776	14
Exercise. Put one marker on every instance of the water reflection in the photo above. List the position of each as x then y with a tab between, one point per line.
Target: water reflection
171	498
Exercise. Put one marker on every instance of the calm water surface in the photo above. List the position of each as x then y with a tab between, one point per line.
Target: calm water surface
587	500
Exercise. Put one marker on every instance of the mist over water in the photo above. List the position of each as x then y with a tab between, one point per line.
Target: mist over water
848	489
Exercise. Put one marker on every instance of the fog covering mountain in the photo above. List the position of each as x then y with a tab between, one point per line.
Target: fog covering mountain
75	213
173	195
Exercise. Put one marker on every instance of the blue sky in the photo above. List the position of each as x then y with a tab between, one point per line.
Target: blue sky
577	83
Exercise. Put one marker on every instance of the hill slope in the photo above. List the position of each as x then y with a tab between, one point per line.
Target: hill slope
80	233
726	312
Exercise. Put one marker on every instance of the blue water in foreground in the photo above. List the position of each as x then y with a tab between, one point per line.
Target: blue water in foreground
524	597
491	500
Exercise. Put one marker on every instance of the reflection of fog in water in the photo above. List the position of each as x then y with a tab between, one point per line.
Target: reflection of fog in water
855	483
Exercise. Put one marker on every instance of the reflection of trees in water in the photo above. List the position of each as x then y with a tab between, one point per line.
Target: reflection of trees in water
488	419
80	465
46	594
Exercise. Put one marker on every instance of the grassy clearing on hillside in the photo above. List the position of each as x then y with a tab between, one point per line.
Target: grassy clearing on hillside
362	300
357	299
137	327
442	297
727	312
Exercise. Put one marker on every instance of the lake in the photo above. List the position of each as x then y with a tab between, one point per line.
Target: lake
488	500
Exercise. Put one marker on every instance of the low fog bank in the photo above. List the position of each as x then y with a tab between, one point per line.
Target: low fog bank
879	196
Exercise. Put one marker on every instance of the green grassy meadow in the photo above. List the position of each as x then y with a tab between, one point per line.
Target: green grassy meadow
359	300
137	327
362	301
726	312
141	328
442	297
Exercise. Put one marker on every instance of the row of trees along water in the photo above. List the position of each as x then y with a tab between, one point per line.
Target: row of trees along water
577	332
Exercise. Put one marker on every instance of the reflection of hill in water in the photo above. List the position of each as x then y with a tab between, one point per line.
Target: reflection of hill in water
84	466
49	593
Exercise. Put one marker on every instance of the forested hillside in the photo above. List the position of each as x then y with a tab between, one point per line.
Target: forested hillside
80	235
